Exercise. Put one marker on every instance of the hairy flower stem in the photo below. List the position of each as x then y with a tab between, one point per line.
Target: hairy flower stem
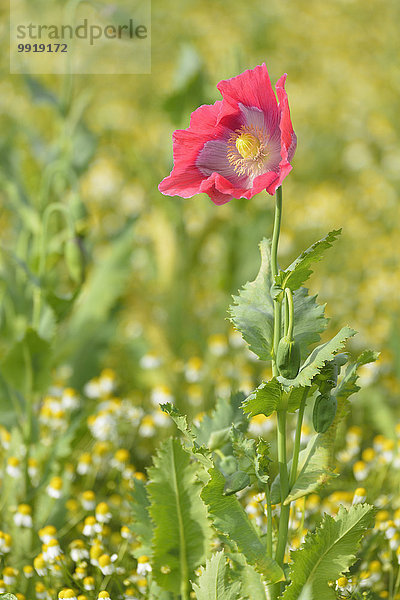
274	272
275	590
284	485
269	519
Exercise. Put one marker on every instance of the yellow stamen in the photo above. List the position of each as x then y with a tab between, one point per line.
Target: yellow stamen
248	145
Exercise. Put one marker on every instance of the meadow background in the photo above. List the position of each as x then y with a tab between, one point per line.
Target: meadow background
160	271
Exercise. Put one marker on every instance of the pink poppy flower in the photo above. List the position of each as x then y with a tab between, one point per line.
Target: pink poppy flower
237	147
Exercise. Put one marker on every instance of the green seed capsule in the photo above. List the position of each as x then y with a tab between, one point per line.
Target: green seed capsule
324	412
288	358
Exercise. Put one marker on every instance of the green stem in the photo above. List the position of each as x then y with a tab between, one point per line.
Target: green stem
275	235
269	520
297	439
284	486
274	272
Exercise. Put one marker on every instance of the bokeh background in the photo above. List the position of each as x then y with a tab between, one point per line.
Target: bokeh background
160	271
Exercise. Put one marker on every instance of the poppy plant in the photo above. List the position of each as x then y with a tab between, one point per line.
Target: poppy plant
237	147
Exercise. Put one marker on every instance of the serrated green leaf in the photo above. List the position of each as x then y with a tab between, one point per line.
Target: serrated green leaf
270	396
244	450
262	461
294	397
252	312
309	320
189	439
218	424
328	552
231	519
314	470
142	525
318	357
236	482
182	533
265	400
211	584
253	587
251	458
299	271
348	385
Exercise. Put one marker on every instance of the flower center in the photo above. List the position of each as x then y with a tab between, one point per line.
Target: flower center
248	145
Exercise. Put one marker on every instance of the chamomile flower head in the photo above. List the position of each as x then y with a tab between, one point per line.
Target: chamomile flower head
107	382
103	514
41	591
33	468
360	470
80	573
95	552
143	566
104	595
194	369
67	594
51	551
150	361
218	344
126	533
23	516
88	500
360	496
10	575
40	566
78	551
89	584
161	394
54	489
28	571
5	438
47	533
13	468
69	399
105	564
84	464
343	584
120	459
147	428
90	527
5	542
103	426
